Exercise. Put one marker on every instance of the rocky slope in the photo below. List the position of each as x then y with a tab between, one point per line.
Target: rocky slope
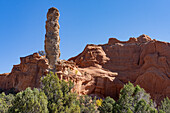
102	70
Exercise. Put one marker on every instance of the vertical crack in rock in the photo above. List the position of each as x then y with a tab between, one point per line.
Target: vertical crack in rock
52	38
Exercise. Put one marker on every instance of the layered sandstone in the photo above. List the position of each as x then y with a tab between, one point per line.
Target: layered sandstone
139	60
31	69
26	74
52	38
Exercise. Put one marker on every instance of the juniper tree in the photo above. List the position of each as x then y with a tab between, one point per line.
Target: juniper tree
29	101
5	102
134	99
87	104
107	105
58	92
165	106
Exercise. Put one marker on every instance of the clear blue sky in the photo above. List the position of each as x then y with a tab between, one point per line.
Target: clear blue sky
22	24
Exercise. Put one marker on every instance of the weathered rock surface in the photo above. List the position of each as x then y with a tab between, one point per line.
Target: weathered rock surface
52	38
31	69
139	60
26	74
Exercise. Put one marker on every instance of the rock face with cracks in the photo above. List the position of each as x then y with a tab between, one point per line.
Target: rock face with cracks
26	74
31	69
52	38
141	60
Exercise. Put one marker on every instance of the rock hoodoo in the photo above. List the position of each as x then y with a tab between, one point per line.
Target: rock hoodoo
52	38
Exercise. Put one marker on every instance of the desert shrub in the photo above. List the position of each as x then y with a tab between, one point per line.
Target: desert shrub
134	99
107	105
29	101
5	102
87	104
165	106
58	92
41	53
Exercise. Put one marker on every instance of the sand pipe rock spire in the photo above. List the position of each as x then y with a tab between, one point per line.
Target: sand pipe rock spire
52	38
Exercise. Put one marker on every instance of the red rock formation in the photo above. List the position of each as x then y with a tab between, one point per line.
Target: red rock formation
102	70
31	69
26	74
140	60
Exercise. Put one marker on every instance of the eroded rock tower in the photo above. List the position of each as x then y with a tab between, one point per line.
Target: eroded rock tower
52	38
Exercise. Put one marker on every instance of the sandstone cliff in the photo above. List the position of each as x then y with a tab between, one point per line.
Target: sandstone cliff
26	74
139	60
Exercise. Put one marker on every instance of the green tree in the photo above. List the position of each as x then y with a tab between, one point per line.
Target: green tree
165	106
29	101
87	104
134	99
107	105
58	92
5	102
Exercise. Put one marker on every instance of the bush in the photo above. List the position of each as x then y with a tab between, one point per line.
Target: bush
5	102
134	99
107	105
29	101
41	53
165	106
58	92
87	104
